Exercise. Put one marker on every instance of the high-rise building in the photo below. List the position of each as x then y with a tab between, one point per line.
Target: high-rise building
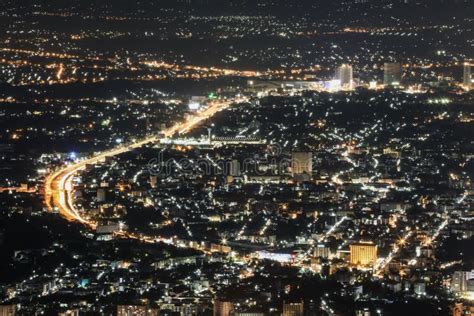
363	253
293	309
462	309
392	74
322	251
233	168
153	181
7	310
223	308
460	281
302	163
345	75
100	195
467	80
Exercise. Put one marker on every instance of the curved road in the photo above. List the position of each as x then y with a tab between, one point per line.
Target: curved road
59	186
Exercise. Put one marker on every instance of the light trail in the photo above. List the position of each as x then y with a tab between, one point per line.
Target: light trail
430	240
326	235
383	262
59	185
60	72
334	227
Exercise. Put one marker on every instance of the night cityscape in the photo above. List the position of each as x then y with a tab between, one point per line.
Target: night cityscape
236	157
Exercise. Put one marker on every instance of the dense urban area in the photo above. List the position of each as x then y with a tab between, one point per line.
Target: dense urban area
236	158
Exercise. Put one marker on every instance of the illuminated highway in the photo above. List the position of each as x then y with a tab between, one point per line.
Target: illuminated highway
59	185
328	233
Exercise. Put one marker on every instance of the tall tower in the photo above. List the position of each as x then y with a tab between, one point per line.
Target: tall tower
345	75
466	79
222	308
293	309
392	74
7	310
302	162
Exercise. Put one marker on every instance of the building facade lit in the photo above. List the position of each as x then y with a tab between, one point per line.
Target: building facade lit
223	308
302	163
467	80
363	253
392	74
293	309
344	74
7	310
